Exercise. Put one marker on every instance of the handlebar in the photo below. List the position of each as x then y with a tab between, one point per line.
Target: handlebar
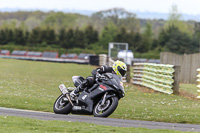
100	77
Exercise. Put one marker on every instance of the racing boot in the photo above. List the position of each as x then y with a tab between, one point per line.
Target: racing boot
80	88
74	93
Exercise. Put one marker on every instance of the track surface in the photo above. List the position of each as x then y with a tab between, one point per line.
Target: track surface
100	121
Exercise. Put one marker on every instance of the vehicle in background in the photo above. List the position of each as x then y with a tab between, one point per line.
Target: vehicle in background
84	56
34	54
69	56
19	53
127	56
4	52
47	54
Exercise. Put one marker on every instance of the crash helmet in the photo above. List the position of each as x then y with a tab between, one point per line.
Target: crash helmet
120	68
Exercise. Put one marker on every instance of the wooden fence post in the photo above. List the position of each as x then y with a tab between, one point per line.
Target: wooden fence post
177	70
128	74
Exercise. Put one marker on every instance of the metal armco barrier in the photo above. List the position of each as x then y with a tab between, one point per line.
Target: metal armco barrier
198	80
159	77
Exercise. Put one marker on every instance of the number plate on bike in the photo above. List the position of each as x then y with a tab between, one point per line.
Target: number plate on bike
63	89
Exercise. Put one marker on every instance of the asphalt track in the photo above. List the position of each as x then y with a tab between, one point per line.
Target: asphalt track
100	121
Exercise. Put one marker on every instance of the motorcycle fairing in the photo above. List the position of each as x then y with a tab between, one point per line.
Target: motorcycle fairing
86	100
86	104
115	82
100	91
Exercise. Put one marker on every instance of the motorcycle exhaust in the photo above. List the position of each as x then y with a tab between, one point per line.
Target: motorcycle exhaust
64	91
69	99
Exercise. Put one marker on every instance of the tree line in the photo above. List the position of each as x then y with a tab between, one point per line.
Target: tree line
115	25
170	39
72	38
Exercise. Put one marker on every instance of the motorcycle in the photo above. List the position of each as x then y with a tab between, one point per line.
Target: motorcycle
101	99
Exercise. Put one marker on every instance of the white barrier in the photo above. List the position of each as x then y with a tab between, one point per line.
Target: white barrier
155	76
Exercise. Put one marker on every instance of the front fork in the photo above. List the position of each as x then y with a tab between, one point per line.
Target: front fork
65	91
104	98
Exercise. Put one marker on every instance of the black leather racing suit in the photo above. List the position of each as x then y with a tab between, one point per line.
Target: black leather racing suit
89	81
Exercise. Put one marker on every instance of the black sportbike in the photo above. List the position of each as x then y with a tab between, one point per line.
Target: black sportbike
101	99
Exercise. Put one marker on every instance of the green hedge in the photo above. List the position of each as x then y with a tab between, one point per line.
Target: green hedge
52	48
149	55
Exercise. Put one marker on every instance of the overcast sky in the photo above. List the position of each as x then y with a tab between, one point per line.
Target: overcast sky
163	6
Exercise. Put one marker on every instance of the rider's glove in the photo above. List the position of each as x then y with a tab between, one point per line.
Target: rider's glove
98	75
101	69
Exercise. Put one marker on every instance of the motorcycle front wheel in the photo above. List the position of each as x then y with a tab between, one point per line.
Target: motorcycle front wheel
107	108
62	105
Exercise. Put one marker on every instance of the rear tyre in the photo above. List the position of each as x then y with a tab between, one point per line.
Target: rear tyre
107	108
62	105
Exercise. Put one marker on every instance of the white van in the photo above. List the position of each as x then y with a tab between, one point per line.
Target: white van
127	56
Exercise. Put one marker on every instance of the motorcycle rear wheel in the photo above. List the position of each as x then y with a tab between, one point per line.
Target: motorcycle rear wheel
62	106
107	108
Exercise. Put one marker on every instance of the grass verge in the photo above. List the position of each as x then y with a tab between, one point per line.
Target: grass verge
26	125
34	86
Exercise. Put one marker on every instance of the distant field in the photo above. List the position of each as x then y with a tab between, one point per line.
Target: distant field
34	85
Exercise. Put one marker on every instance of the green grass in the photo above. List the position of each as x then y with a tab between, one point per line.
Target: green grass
25	125
190	88
34	85
157	107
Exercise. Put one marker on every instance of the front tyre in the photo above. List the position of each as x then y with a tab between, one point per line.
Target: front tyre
107	108
62	105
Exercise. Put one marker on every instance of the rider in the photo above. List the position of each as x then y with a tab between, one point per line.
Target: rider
118	68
